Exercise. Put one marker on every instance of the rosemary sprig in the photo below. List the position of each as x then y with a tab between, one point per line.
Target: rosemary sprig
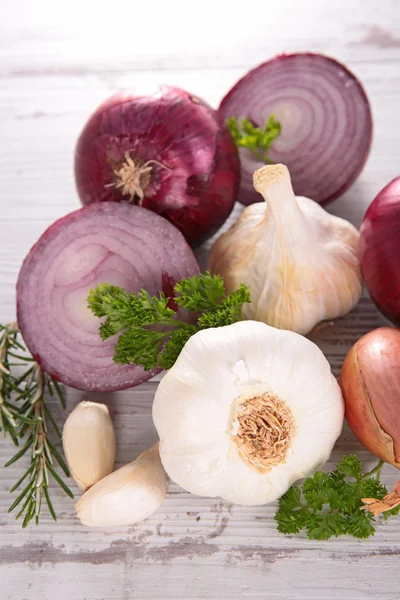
24	414
8	412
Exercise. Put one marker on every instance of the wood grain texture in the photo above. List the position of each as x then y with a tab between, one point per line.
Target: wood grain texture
57	62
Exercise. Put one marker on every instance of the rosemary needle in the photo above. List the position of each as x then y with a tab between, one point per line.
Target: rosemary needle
25	414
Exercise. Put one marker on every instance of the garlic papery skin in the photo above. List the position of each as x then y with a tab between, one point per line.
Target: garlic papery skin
130	494
246	410
300	263
89	443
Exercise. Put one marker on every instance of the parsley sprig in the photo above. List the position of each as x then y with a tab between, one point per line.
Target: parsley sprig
150	334
257	139
330	504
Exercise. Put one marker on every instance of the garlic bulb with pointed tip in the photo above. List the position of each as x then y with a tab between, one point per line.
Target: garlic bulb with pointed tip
89	443
130	494
300	263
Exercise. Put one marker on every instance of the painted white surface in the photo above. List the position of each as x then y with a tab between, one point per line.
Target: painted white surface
57	62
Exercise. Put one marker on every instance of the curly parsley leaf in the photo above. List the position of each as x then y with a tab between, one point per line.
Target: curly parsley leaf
256	139
324	526
373	488
316	490
150	333
349	466
292	515
330	504
200	292
360	524
173	347
145	349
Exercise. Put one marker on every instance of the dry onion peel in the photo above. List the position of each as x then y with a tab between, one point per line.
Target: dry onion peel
390	501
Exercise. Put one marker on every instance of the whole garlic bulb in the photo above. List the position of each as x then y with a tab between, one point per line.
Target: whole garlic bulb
89	443
130	494
246	410
300	263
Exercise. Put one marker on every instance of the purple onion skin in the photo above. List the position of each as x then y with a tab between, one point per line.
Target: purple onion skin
197	189
322	182
380	250
108	242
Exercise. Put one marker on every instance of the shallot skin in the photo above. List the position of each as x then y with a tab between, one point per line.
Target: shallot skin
193	170
380	250
370	383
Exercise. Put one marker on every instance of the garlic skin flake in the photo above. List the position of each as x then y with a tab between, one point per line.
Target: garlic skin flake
130	494
300	263
247	410
89	443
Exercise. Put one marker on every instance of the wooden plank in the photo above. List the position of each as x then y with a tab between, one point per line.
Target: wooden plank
83	38
59	62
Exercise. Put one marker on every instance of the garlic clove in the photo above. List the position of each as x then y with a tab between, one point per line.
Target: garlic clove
89	443
300	263
130	494
204	446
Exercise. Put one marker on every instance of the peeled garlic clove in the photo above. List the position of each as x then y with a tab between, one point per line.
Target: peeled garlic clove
89	443
130	494
300	263
245	411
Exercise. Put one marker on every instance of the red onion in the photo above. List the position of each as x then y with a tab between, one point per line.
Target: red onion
325	117
119	244
169	152
380	250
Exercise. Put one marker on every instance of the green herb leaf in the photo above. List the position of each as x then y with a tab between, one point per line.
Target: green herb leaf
316	490
360	524
391	513
227	312
324	526
103	298
256	139
350	466
173	347
150	333
330	504
27	415
200	293
140	346
373	488
292	514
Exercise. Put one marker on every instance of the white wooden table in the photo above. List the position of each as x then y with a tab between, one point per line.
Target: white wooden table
57	62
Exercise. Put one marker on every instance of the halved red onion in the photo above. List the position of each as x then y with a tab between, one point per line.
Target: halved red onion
119	244
169	152
325	117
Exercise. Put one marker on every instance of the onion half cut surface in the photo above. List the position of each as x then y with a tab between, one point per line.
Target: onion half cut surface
325	117
123	245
